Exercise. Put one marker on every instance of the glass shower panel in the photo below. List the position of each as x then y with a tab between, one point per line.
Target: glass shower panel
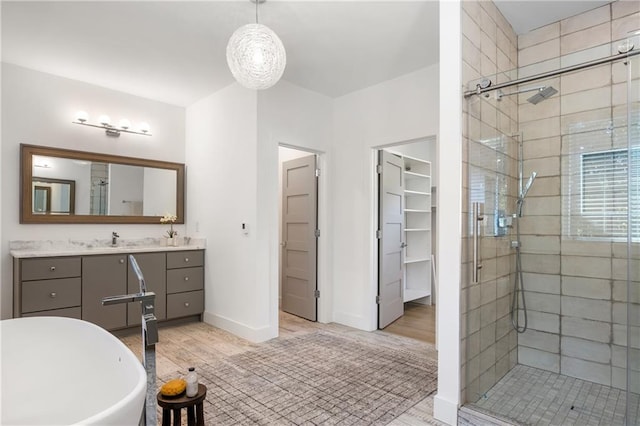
633	244
490	163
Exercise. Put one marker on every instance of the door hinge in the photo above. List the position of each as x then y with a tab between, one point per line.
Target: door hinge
378	300
378	234
317	172
316	294
317	233
379	168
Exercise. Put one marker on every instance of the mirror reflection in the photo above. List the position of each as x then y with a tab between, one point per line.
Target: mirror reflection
53	196
93	188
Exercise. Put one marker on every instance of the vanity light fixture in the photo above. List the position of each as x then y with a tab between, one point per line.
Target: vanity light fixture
105	123
256	55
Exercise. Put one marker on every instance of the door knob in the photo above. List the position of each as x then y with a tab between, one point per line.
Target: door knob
403	245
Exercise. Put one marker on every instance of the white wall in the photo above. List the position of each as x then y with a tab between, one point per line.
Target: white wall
403	109
445	403
221	189
38	109
232	157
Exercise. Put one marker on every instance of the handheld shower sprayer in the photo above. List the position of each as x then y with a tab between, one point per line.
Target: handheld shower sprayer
527	187
523	192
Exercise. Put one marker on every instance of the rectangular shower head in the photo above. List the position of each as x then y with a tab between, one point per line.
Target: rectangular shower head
544	93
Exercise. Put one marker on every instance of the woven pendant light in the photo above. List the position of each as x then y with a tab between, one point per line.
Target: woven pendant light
256	56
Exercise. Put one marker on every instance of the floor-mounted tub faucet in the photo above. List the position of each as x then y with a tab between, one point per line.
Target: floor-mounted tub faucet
114	239
149	335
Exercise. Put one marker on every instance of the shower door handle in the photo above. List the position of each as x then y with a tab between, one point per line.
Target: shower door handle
477	218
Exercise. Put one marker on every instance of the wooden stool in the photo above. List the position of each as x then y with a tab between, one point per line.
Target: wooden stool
195	411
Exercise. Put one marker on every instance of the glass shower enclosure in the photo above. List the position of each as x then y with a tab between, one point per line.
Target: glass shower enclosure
551	244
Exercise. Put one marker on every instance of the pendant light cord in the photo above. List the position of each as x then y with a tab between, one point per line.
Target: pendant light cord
257	1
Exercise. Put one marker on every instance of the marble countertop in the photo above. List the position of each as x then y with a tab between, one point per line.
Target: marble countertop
26	249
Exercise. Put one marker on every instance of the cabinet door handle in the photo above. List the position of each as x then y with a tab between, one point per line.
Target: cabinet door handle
186	304
121	261
53	268
186	259
186	278
53	295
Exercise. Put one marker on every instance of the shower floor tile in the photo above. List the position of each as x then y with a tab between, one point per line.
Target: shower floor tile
530	396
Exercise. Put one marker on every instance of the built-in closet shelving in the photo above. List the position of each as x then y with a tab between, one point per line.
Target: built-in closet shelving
417	231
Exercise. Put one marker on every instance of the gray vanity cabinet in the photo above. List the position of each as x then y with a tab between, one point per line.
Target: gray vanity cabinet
153	266
185	283
102	276
48	286
73	286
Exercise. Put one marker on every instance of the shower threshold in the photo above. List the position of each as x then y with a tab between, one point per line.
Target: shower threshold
530	396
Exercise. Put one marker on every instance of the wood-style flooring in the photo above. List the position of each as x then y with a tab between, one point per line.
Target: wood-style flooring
190	343
418	322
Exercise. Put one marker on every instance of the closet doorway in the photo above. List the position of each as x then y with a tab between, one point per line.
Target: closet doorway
406	238
298	233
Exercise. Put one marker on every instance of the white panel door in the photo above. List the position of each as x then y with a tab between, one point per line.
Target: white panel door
299	224
390	244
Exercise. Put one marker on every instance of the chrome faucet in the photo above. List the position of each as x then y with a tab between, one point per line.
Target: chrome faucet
114	239
149	335
149	320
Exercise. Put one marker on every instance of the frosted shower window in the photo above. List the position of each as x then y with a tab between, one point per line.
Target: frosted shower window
598	210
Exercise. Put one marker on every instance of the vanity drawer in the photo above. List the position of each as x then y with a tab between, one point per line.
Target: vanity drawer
51	294
67	312
185	259
49	268
185	304
185	279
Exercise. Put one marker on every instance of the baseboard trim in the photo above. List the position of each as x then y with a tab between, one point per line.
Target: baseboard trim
354	321
255	335
444	410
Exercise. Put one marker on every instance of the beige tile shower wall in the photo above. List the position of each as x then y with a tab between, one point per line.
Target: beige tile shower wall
489	343
576	293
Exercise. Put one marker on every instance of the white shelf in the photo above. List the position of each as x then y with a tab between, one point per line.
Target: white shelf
413	175
417	230
406	261
413	294
416	211
409	193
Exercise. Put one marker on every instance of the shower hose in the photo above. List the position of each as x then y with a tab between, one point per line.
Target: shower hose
518	283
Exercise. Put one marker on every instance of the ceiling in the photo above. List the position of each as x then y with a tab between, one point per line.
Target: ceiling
525	16
174	51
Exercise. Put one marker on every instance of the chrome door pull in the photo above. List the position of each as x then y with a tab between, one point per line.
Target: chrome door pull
477	265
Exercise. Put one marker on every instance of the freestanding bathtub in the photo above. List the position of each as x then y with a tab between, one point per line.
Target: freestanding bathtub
63	371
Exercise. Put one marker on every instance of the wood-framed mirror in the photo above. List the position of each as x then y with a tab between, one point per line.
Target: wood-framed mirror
67	186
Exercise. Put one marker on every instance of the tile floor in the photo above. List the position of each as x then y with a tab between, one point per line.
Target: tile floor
532	396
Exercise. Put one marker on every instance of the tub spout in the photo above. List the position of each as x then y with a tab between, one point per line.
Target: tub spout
127	298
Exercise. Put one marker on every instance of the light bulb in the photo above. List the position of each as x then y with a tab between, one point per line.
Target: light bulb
125	124
82	116
104	120
144	127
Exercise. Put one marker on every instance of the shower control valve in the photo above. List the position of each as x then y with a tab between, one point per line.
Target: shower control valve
515	244
505	221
